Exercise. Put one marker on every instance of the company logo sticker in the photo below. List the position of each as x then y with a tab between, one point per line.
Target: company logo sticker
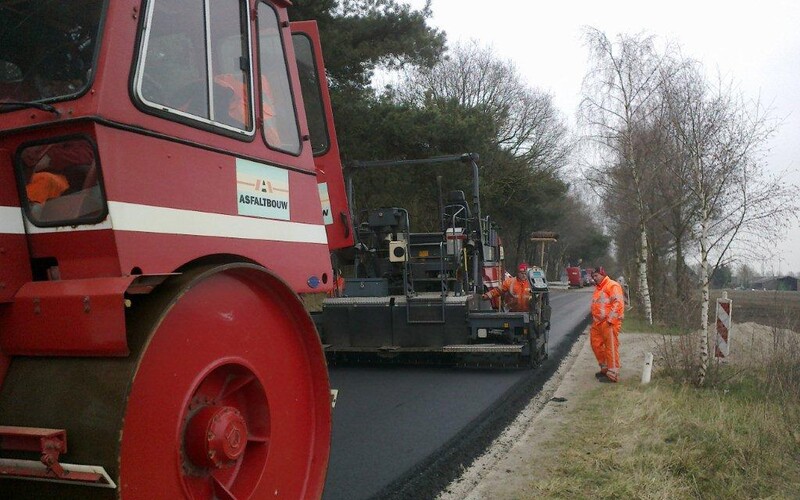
327	218
262	190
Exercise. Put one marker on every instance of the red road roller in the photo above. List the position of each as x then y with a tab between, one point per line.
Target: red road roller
163	206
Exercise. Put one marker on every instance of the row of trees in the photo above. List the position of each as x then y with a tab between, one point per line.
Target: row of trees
446	102
679	161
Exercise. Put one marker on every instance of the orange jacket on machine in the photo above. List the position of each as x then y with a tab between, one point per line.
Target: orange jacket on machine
608	310
49	164
239	110
45	186
517	288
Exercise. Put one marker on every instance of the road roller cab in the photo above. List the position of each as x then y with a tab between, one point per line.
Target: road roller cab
164	198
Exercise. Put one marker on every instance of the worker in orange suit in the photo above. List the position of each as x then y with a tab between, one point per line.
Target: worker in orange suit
608	310
517	289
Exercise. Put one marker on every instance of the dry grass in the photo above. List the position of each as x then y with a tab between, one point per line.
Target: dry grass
667	441
736	438
770	313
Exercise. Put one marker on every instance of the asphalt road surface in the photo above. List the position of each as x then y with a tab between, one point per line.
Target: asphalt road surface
397	428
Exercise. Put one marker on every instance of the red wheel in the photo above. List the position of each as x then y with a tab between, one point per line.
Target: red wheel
225	395
230	398
225	434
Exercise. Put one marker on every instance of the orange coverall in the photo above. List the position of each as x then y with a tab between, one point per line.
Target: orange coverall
608	310
518	290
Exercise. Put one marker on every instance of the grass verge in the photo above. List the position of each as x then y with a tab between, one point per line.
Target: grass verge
667	440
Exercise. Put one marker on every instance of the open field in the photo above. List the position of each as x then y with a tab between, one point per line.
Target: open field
766	307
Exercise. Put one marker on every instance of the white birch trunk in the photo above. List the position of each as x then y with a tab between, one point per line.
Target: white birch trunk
643	288
704	304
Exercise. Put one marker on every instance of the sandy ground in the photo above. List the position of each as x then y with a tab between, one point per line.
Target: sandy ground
518	456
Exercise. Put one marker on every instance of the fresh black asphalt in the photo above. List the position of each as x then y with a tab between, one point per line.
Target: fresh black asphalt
406	431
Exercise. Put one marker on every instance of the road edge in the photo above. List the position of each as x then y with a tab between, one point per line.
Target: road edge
447	465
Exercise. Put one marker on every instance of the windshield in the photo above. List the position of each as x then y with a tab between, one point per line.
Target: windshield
47	48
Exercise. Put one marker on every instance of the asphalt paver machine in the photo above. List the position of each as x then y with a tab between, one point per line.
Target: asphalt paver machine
415	297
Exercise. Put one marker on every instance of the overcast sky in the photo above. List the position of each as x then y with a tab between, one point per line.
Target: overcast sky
757	44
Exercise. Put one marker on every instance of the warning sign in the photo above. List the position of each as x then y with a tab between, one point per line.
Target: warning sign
722	343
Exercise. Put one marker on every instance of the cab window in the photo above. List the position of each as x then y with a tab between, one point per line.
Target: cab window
194	62
60	182
280	127
47	49
312	99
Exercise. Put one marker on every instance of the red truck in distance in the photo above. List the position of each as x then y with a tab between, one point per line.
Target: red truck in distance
574	277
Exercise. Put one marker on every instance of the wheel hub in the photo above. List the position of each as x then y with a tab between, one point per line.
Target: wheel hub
216	437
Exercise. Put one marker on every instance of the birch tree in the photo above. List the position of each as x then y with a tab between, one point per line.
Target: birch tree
620	96
722	137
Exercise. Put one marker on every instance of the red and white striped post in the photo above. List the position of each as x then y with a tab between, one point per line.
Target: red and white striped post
722	343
